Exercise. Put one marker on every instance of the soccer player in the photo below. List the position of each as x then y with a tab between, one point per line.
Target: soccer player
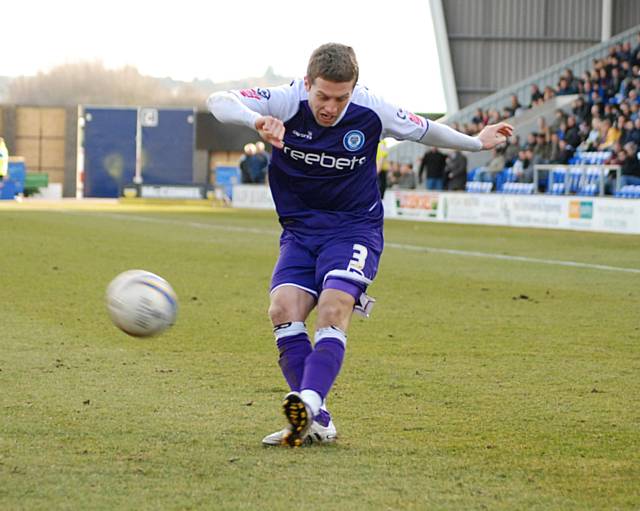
325	130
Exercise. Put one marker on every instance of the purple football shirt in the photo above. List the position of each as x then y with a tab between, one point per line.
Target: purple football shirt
324	178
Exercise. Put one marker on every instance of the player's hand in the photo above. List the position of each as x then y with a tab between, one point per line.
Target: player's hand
495	134
271	130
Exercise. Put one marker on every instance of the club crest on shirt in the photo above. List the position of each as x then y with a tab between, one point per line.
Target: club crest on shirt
353	140
265	93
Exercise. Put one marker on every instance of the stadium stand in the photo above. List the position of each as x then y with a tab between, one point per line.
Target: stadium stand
583	133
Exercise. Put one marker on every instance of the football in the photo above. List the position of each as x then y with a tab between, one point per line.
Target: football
141	303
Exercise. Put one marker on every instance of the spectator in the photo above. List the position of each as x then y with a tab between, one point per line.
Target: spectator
572	81
558	119
382	167
624	54
479	118
541	151
616	83
263	160
594	139
456	171
4	159
554	148
523	167
407	179
514	107
253	167
494	116
611	137
635	132
549	93
531	141
564	88
610	112
512	150
581	110
572	133
536	95
542	126
626	126
496	165
630	170
244	164
565	153
432	166
394	174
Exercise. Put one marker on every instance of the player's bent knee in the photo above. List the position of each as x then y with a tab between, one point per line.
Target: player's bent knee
335	309
279	313
290	304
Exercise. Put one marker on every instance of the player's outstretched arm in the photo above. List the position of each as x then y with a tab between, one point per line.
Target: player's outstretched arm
440	135
226	107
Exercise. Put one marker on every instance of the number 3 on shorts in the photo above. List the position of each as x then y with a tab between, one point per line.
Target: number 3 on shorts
358	259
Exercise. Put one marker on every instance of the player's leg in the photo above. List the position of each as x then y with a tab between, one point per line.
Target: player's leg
321	367
289	308
293	296
345	269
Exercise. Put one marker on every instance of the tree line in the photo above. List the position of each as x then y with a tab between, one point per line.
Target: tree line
93	83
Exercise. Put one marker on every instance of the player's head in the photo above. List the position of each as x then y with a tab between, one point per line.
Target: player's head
332	74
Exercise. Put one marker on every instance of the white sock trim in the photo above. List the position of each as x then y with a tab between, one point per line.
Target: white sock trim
288	329
312	399
332	332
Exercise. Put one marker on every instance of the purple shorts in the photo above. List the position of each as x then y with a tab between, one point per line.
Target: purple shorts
348	262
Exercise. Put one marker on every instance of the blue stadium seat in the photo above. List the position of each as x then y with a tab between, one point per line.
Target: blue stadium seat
629	192
519	188
478	187
556	189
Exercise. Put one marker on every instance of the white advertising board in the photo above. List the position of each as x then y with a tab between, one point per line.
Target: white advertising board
252	196
603	214
546	211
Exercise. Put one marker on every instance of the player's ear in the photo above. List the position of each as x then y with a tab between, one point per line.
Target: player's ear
307	84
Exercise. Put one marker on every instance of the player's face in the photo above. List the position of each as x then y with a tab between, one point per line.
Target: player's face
328	99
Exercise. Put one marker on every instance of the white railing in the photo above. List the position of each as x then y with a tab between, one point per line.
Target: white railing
576	179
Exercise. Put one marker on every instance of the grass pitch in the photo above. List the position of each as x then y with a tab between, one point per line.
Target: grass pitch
478	383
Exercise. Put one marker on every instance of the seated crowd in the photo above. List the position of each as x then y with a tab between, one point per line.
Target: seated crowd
604	117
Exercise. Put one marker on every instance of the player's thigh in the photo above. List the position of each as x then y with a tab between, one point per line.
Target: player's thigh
354	260
346	267
293	284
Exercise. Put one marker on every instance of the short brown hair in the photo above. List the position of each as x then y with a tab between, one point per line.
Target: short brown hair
334	62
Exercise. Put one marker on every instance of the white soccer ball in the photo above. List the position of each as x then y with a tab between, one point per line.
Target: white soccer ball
141	303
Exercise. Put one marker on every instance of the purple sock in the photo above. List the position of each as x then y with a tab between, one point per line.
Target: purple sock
322	366
294	347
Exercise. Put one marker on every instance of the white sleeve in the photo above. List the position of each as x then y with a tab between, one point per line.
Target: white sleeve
245	106
441	135
404	125
399	123
226	107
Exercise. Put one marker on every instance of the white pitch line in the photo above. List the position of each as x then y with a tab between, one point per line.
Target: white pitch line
399	246
488	255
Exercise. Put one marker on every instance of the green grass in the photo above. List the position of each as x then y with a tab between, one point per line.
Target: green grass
458	393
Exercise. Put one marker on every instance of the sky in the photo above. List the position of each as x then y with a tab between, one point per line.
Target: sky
222	40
